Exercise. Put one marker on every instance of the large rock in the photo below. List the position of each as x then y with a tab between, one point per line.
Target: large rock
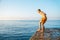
49	34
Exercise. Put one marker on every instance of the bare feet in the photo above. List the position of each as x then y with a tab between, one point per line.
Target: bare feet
42	31
38	30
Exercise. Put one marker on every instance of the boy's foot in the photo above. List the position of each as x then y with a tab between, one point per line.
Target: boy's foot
38	30
42	31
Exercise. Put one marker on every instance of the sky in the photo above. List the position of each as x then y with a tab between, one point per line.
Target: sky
27	9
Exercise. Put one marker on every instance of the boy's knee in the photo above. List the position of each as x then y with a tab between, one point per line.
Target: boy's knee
42	23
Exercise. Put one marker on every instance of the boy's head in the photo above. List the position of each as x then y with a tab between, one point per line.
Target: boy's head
39	10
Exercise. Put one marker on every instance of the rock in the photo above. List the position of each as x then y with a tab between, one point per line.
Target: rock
38	36
49	34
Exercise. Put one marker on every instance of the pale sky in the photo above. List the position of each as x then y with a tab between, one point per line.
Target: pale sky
27	9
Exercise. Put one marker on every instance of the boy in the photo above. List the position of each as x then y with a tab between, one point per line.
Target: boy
42	21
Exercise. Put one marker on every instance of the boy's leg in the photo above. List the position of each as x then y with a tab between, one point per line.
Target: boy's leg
42	30
42	27
39	26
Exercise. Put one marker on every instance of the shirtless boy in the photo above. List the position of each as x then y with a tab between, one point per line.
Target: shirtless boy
42	21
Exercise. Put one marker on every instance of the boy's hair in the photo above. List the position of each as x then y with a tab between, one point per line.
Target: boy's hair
39	10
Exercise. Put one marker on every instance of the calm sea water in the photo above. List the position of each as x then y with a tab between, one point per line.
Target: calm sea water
22	29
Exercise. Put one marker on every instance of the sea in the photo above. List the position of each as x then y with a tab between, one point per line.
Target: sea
23	29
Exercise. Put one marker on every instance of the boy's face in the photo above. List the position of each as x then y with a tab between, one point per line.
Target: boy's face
38	11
